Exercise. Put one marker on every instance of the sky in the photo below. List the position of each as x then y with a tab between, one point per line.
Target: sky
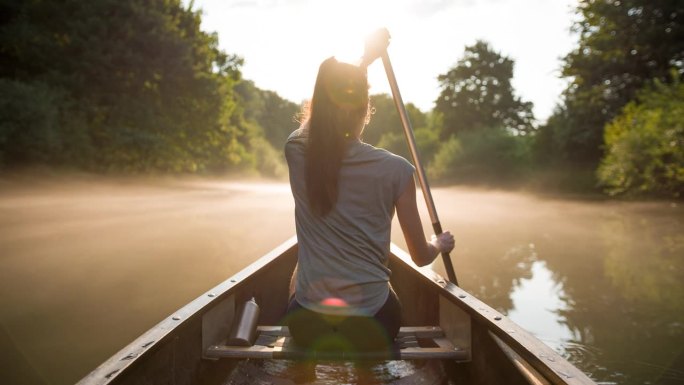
283	42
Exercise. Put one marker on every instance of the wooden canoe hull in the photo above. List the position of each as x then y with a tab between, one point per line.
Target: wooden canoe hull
173	352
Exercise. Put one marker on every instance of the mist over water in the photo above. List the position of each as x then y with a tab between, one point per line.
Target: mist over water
87	265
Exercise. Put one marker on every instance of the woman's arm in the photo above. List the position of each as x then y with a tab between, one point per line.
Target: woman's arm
422	252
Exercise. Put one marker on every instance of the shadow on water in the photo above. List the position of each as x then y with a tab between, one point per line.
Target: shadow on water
86	266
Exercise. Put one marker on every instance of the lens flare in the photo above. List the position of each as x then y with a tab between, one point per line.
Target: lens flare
334	302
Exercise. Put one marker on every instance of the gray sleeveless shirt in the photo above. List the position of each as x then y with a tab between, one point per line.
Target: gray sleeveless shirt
343	256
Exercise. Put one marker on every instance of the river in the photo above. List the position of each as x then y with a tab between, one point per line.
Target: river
87	265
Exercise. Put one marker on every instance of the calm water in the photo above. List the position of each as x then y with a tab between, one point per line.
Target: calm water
86	266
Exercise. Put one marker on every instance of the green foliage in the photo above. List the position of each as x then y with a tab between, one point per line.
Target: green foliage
427	142
623	45
269	120
275	116
386	131
29	130
140	87
477	94
493	157
445	160
267	160
385	119
573	134
645	145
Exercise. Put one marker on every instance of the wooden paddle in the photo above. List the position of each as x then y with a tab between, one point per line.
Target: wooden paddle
376	46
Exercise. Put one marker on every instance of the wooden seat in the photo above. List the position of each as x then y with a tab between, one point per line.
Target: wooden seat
412	343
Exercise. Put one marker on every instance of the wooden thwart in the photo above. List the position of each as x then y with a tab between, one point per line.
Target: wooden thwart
412	343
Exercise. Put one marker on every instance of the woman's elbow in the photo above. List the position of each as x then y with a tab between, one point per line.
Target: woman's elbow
422	261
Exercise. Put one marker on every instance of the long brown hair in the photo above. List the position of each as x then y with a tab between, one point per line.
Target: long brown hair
337	111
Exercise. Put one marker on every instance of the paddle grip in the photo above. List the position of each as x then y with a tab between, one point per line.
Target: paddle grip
446	258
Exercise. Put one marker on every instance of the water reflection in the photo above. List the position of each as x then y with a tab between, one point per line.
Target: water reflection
625	293
537	303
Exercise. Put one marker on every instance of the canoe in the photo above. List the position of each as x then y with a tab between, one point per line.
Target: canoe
448	337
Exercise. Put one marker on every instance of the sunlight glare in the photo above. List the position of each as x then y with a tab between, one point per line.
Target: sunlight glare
342	26
339	28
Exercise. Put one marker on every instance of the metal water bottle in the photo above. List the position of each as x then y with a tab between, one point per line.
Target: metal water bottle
243	332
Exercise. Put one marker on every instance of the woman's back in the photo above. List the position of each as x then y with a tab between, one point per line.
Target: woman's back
343	255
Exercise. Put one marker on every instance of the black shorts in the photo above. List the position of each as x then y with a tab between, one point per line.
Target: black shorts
319	331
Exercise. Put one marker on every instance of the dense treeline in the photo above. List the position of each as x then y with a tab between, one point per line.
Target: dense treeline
645	144
486	127
269	119
137	86
104	85
619	126
625	48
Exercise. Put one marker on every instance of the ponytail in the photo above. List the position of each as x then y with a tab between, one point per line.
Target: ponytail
338	106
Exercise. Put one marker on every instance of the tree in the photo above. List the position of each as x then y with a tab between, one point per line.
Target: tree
28	129
645	145
385	119
269	119
386	131
477	93
623	45
487	157
139	85
276	117
427	142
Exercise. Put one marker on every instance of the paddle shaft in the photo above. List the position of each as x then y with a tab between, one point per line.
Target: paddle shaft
411	140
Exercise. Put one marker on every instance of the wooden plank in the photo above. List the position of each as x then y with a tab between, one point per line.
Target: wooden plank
273	330
445	343
266	352
456	324
432	353
419	307
284	348
256	351
411	343
421	331
532	376
216	322
417	331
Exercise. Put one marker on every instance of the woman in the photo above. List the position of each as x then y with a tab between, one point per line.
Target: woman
346	193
